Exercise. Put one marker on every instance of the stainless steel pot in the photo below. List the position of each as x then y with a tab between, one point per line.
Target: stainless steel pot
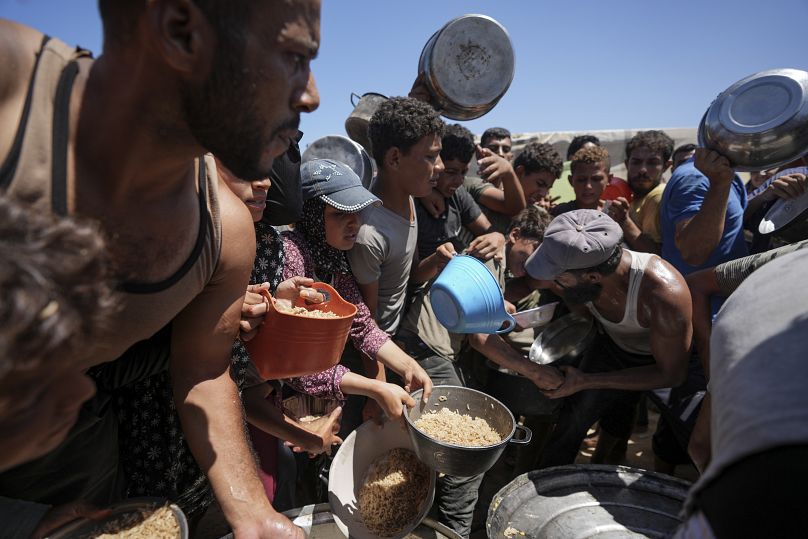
564	340
458	460
357	123
588	501
468	65
761	121
345	151
85	527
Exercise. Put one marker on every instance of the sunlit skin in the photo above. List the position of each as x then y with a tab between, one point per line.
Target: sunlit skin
517	251
253	194
588	181
535	184
422	165
341	228
37	409
500	146
452	177
644	170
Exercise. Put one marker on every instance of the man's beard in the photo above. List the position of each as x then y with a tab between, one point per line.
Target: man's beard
641	190
221	117
582	293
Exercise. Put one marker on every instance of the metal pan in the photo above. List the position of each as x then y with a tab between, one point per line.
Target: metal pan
85	527
468	65
565	339
345	151
761	121
535	317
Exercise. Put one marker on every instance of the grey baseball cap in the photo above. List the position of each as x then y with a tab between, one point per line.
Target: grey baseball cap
336	185
574	240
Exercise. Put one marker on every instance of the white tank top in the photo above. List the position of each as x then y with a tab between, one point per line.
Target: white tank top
628	334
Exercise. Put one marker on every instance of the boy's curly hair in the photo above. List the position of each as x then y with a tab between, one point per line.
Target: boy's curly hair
457	143
401	122
531	222
656	141
538	156
53	284
591	155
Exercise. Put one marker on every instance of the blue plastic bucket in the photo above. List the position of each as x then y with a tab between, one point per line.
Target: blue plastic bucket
466	298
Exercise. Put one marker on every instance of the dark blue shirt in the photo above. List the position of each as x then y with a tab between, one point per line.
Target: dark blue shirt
682	199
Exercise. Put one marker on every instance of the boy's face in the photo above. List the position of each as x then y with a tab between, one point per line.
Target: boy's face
517	251
421	166
38	407
452	177
588	181
535	184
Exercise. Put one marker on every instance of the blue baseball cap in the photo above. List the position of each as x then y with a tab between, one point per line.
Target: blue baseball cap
336	185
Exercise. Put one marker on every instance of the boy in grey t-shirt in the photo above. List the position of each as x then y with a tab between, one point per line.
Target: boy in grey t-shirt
406	140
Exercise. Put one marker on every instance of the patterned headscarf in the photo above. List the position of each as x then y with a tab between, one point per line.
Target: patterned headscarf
328	260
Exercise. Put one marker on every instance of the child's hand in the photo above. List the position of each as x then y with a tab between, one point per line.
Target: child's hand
392	399
326	429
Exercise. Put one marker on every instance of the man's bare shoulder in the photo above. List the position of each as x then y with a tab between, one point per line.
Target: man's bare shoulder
18	47
663	288
238	230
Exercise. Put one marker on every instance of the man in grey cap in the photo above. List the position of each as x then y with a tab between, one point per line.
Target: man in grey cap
643	310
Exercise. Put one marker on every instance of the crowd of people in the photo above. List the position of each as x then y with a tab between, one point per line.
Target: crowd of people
149	199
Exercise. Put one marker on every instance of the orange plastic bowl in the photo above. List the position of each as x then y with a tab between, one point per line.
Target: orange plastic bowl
289	345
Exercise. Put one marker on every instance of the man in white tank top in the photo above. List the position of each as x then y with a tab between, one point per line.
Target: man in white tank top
643	309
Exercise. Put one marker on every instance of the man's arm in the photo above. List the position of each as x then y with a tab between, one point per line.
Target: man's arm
206	396
494	168
703	286
636	239
500	352
665	301
698	236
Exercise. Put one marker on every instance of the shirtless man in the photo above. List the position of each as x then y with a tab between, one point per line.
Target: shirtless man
641	303
177	78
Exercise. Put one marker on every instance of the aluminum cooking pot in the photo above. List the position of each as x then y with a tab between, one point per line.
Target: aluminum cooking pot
761	121
345	151
564	340
467	66
462	461
357	123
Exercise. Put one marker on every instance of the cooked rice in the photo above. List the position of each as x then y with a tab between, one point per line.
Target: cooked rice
302	311
458	429
395	489
158	524
309	418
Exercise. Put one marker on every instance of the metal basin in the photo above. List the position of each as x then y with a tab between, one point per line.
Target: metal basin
588	501
85	527
345	151
761	121
459	460
564	340
348	470
468	66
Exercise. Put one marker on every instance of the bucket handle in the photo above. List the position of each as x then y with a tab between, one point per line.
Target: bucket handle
354	96
511	323
524	440
326	297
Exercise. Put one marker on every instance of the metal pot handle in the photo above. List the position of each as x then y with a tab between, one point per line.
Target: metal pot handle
357	96
525	439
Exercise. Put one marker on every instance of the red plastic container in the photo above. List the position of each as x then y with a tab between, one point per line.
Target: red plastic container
289	345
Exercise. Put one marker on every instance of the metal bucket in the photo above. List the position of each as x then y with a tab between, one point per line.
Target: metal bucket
344	150
587	501
462	461
467	66
357	123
